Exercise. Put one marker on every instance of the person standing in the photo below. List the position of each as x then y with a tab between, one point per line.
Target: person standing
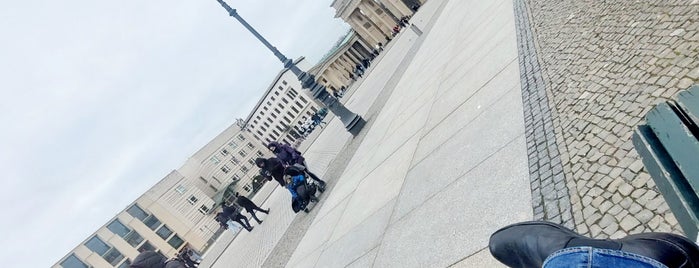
290	156
271	168
233	213
249	206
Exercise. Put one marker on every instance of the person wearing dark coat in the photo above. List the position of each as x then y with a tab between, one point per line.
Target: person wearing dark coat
233	213
249	206
271	168
290	156
152	259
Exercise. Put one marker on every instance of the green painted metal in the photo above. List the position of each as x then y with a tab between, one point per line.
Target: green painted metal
683	202
669	148
689	102
677	138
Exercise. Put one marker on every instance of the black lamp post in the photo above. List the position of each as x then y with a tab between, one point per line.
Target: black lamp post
353	122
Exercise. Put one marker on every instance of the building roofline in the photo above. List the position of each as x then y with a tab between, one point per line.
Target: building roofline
267	92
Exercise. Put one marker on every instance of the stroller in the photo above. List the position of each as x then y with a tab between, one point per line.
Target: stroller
306	191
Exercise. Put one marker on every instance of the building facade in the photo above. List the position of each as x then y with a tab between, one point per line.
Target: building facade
373	20
282	109
335	69
179	210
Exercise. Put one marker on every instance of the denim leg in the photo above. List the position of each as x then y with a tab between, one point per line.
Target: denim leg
598	258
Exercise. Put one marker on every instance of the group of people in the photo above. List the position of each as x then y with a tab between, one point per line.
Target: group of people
233	212
309	124
290	170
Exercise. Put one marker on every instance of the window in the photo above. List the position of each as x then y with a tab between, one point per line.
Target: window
235	178
246	188
181	189
280	88
204	209
287	119
137	212
175	241
252	162
269	103
232	144
294	109
251	146
118	228
224	152
133	238
273	115
259	154
146	247
292	93
276	93
269	120
285	101
73	262
213	188
240	137
303	99
259	133
215	159
280	106
203	180
164	232
266	124
242	153
298	104
192	199
263	128
284	82
215	179
125	264
280	129
275	132
113	257
314	110
97	245
152	222
244	169
234	160
225	169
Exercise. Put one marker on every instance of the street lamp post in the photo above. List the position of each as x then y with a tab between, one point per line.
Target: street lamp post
353	122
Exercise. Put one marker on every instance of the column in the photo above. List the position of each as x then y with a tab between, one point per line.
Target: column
358	25
378	16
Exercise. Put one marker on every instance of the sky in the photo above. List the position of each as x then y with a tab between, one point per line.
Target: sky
99	100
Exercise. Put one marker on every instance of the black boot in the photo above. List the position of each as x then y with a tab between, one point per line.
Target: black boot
669	249
528	244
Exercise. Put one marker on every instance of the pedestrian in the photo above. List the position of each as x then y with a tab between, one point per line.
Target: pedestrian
550	245
233	213
290	156
249	206
271	168
152	259
185	256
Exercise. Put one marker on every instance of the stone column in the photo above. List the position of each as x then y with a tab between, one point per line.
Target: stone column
357	23
381	21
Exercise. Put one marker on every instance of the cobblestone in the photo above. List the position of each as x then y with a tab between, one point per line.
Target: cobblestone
591	71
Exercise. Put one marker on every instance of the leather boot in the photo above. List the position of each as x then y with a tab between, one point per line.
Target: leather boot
528	244
669	249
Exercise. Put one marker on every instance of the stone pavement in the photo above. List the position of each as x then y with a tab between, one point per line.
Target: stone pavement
448	145
500	111
600	66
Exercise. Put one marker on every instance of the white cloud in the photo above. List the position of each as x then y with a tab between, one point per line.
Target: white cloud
100	100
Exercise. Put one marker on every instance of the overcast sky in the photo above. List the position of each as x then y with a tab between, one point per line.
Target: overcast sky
101	99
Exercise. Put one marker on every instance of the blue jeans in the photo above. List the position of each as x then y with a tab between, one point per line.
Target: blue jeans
594	257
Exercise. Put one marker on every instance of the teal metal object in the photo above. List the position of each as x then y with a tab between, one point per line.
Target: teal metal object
669	148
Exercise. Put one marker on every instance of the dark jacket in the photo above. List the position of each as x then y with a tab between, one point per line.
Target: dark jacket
151	259
275	168
244	202
287	154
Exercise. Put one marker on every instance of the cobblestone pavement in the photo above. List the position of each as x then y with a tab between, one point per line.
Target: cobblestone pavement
591	70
